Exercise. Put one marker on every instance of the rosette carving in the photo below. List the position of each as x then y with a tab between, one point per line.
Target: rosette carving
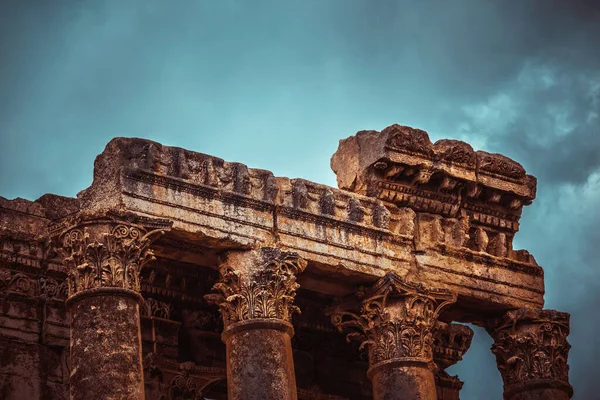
531	347
114	259
265	292
396	320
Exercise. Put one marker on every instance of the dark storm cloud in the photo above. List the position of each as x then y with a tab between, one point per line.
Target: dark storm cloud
549	119
276	84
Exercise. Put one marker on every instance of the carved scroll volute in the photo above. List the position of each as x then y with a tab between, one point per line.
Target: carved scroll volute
112	259
531	350
263	286
396	321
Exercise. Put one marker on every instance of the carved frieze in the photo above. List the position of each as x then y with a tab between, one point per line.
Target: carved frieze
156	308
500	165
114	259
268	291
31	286
396	320
531	349
50	288
407	139
16	282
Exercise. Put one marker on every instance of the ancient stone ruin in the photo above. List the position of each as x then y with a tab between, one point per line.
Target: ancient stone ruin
178	275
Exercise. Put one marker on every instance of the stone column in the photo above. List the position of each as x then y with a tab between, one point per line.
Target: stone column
531	350
451	342
104	262
256	292
396	322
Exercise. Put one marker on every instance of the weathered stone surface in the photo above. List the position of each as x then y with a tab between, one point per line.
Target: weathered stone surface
451	342
218	205
409	214
531	349
106	357
396	322
259	362
406	155
400	165
256	294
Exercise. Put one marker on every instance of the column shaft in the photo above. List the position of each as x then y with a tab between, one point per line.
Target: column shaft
106	345
259	361
401	381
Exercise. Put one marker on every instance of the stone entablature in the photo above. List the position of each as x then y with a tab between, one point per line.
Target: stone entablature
228	205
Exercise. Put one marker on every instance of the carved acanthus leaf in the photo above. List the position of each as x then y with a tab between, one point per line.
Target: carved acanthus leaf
267	293
396	321
539	353
113	260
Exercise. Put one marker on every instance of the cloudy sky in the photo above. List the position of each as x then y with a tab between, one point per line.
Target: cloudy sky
276	84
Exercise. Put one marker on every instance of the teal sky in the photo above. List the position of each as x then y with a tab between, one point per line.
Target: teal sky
276	84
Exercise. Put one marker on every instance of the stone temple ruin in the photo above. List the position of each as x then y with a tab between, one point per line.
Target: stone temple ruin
178	275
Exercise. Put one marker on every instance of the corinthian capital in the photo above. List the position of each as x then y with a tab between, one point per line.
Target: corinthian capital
531	350
396	320
258	284
109	259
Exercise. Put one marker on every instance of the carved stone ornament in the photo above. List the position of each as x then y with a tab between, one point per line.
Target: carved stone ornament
531	347
156	308
266	292
405	138
450	343
396	320
115	259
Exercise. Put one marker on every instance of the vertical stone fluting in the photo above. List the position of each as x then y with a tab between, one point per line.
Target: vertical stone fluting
531	351
451	342
103	263
256	292
396	322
